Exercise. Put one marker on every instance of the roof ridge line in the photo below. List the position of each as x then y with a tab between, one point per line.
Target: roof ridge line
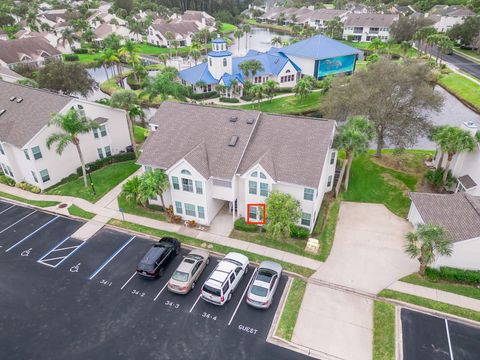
474	206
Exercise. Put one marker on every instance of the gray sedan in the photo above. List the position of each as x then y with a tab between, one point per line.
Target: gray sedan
263	287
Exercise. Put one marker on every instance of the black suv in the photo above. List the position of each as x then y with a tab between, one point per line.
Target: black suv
157	258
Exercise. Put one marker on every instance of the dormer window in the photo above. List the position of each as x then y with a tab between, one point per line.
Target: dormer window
186	172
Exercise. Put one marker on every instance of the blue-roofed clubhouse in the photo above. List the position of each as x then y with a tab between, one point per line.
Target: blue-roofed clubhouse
317	56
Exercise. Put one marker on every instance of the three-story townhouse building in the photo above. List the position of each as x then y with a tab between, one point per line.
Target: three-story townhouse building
366	27
218	158
24	116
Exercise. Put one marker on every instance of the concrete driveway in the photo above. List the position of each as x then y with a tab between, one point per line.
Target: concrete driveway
367	256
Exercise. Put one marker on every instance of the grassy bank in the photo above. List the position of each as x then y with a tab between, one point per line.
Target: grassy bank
280	28
431	304
74	210
291	310
227	28
214	247
288	104
383	331
463	88
325	227
130	207
140	134
38	203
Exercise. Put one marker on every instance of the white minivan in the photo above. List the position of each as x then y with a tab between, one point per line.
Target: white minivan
224	279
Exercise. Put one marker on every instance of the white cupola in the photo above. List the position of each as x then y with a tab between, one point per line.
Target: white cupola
219	59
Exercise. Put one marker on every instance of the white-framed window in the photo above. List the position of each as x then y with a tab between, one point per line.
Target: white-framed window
103	130
178	207
108	151
95	133
175	183
252	187
185	172
329	181
332	158
1	150
37	153
224	62
263	189
201	212
252	212
44	175
198	187
7	170
308	194
190	210
25	152
100	153
34	177
306	218
187	185
254	174
262	176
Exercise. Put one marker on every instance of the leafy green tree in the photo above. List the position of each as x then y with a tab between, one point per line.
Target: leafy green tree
164	58
130	51
303	87
246	29
71	126
451	141
152	184
283	211
126	100
426	242
467	31
405	46
108	58
131	189
353	137
276	40
112	41
258	92
164	85
195	54
250	67
67	78
270	88
334	28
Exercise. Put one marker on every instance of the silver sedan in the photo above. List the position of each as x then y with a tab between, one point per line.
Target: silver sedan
262	289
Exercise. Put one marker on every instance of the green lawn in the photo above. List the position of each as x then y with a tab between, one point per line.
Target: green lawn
463	88
472	53
291	310
77	211
288	105
393	49
213	247
373	183
140	134
227	28
460	289
88	58
104	180
130	207
431	304
280	28
325	227
38	203
383	331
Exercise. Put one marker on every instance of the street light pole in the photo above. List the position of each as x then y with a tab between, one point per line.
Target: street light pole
91	181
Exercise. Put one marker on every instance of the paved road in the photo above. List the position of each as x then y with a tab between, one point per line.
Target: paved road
469	66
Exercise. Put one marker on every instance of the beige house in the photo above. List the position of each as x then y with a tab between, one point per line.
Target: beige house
31	51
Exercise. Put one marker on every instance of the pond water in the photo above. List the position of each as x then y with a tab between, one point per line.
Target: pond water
258	39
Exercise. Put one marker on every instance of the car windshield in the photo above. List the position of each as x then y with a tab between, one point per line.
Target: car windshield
264	275
233	261
259	291
146	267
196	257
180	276
212	290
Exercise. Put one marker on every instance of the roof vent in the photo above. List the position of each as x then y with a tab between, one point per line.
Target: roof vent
470	124
233	140
19	100
233	118
250	121
12	98
3	111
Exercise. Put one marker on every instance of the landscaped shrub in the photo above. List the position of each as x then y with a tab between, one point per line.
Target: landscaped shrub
299	232
229	100
28	187
284	90
71	57
203	96
470	277
6	180
241	224
435	178
100	163
80	51
247	97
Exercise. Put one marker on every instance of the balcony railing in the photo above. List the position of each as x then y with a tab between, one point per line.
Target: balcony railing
222	183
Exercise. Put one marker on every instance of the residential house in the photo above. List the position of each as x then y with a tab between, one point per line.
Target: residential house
459	214
9	75
32	51
447	16
53	17
54	38
465	166
366	27
318	18
227	158
201	18
24	116
105	30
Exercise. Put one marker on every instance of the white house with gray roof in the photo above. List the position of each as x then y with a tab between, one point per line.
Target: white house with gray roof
459	214
366	27
217	157
24	116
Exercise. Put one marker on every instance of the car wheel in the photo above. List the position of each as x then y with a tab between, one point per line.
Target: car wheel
246	270
208	261
229	297
193	285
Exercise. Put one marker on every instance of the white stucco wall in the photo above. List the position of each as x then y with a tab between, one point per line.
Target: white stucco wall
465	255
307	65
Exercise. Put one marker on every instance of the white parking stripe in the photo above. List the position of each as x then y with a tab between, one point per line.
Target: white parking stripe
33	233
196	301
1	212
156	297
449	342
50	259
131	277
111	257
65	248
15	223
241	299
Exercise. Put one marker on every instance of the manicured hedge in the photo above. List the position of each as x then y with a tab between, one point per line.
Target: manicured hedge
6	180
71	57
470	277
241	224
299	232
203	96
247	97
229	100
80	51
28	187
100	163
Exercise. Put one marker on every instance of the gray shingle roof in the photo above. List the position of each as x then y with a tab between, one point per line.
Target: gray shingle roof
23	120
467	181
291	149
12	51
183	28
458	213
370	19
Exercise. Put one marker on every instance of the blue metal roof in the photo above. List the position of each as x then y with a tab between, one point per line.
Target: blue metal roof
272	63
197	73
318	47
227	78
218	40
219	53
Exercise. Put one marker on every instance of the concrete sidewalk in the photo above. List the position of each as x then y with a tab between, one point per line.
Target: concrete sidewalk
437	295
108	212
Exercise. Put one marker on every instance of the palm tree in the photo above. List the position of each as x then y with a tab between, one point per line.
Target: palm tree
107	58
445	45
130	50
405	46
303	87
131	189
257	91
451	141
271	88
426	242
195	54
220	89
276	40
136	28
71	125
112	41
255	67
67	37
422	34
246	29
237	34
152	184
353	137
137	111
334	28
126	99
170	37
163	85
175	44
164	58
376	44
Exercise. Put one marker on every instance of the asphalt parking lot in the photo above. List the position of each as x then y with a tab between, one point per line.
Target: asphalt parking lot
427	337
63	298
